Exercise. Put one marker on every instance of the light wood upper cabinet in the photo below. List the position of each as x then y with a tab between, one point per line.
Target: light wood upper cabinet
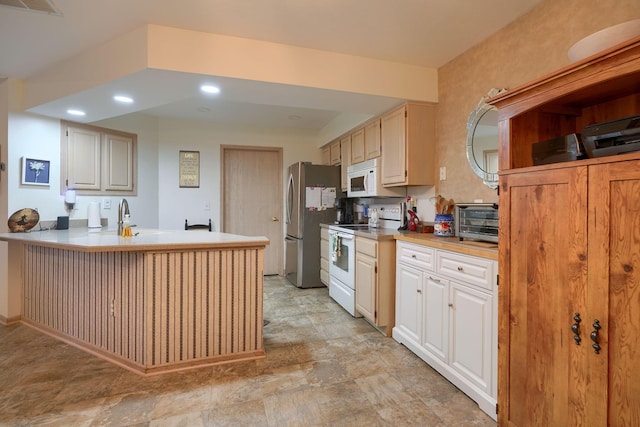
569	252
394	153
334	153
357	146
345	154
326	155
84	151
372	140
118	162
408	145
97	160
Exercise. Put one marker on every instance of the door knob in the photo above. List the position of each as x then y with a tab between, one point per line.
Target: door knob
274	218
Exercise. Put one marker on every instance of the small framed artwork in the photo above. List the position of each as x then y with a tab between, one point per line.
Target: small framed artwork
189	169
35	171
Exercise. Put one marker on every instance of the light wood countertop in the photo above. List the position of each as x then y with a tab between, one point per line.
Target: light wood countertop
81	239
468	247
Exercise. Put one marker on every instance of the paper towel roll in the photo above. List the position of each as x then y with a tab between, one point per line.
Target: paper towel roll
93	215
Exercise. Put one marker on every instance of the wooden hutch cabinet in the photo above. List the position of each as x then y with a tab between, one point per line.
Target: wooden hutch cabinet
569	264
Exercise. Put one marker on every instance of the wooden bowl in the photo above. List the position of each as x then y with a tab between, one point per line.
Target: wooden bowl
23	220
604	39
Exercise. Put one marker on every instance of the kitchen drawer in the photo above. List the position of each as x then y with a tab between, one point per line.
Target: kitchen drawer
415	255
324	249
367	246
473	270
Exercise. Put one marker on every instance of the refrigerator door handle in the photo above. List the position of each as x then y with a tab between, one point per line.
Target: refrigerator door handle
289	198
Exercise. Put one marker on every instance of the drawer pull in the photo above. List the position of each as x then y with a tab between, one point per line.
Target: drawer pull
413	256
460	269
451	305
575	328
595	336
419	291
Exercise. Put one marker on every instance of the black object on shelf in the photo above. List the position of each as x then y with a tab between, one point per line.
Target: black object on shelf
563	149
614	137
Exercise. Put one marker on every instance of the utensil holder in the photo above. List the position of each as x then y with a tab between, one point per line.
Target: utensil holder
443	225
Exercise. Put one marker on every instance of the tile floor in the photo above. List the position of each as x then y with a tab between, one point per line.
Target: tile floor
323	368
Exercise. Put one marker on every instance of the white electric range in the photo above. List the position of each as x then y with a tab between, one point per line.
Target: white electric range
342	248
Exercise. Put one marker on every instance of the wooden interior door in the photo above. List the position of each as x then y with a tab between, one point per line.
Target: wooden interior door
252	198
542	286
614	293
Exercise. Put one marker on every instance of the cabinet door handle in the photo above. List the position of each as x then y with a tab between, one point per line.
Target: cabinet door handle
460	269
413	256
575	328
451	305
594	336
419	291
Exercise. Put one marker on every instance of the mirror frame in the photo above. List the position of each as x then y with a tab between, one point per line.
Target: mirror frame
489	179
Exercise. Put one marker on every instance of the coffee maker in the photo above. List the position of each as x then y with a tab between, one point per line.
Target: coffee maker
344	210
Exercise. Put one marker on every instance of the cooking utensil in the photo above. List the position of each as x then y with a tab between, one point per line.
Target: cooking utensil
451	204
439	203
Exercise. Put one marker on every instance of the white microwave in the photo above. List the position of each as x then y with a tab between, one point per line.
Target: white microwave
363	180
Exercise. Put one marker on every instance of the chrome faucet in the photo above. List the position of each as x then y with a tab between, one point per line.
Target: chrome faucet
125	204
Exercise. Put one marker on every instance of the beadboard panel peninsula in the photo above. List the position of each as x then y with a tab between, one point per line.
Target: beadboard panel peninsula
150	311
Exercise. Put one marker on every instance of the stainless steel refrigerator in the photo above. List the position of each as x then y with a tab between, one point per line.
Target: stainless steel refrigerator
308	204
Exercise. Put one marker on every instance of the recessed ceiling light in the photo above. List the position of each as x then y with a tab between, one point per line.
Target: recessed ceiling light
210	89
76	112
123	99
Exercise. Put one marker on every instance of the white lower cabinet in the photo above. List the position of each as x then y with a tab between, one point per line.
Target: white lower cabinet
471	351
446	313
408	304
435	318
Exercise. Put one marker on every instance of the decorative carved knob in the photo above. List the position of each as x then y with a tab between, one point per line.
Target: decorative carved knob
594	336
575	328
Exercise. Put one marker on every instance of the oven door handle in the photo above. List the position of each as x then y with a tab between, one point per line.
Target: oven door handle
345	236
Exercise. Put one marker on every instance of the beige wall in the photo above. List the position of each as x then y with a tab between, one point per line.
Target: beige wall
530	47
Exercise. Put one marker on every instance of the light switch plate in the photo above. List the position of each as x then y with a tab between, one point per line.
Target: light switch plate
443	173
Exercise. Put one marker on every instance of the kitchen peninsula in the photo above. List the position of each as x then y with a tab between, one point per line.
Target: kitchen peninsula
157	302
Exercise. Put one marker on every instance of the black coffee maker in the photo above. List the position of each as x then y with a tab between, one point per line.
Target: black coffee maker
344	211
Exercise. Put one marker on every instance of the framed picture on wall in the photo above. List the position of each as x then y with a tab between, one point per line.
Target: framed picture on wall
189	169
35	171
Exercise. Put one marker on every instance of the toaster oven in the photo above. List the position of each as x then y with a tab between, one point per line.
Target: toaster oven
477	221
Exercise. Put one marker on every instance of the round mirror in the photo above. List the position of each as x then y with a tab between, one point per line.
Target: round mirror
482	140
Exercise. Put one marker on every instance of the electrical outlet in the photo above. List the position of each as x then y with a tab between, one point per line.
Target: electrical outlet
443	173
106	203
